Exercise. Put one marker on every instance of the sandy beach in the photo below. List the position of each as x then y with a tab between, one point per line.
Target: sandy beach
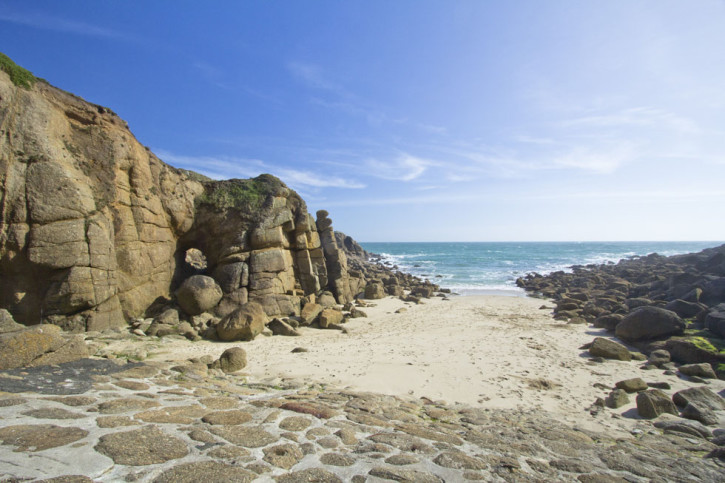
486	351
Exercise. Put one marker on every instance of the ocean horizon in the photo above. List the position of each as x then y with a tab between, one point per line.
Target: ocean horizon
491	268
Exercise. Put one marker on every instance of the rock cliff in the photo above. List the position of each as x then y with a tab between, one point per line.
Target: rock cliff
94	228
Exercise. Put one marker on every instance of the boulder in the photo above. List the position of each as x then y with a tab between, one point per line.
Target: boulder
279	327
703	370
245	323
653	403
198	294
310	312
374	290
701	396
659	357
326	299
649	323
195	260
232	360
609	349
329	317
685	309
700	413
632	385
608	321
691	428
715	320
425	291
39	345
617	398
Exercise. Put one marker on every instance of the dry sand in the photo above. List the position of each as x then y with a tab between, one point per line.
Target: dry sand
486	351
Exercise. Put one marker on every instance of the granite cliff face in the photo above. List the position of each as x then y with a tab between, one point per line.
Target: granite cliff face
94	228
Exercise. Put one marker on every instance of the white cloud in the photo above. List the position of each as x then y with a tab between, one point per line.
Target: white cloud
402	168
223	167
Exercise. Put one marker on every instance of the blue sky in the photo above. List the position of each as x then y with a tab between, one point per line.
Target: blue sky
419	120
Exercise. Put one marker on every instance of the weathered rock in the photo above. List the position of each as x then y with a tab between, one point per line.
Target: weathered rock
699	413
232	360
247	436
227	418
702	396
283	455
609	349
245	323
329	317
279	327
617	398
39	345
206	471
659	357
632	385
652	403
608	321
649	323
715	321
316	475
703	370
29	437
374	290
145	446
310	312
7	323
692	428
685	309
198	294
403	475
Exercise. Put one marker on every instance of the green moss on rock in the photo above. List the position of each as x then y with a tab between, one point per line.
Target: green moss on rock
19	76
240	194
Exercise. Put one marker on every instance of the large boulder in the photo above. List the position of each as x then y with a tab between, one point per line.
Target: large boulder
684	308
653	403
198	294
39	345
374	290
245	323
649	323
329	317
232	360
609	349
715	320
701	396
310	312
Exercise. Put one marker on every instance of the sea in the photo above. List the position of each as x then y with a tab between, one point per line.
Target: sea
485	268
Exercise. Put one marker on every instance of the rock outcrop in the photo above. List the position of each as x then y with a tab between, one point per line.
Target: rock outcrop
96	230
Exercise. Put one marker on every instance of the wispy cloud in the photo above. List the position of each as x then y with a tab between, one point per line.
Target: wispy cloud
404	167
637	116
312	75
59	24
224	167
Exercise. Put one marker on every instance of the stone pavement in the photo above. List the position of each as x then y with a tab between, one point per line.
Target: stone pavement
164	423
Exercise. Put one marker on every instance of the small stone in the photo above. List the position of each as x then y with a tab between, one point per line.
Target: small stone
659	385
295	423
115	421
125	404
317	475
336	459
249	437
206	471
401	459
29	437
228	452
404	475
283	455
144	446
297	350
659	357
202	436
227	418
132	385
459	461
347	436
329	442
232	360
53	413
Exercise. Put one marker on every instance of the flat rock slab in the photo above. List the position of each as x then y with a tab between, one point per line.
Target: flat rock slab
53	413
122	405
144	446
227	418
68	378
30	437
206	471
249	437
317	475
